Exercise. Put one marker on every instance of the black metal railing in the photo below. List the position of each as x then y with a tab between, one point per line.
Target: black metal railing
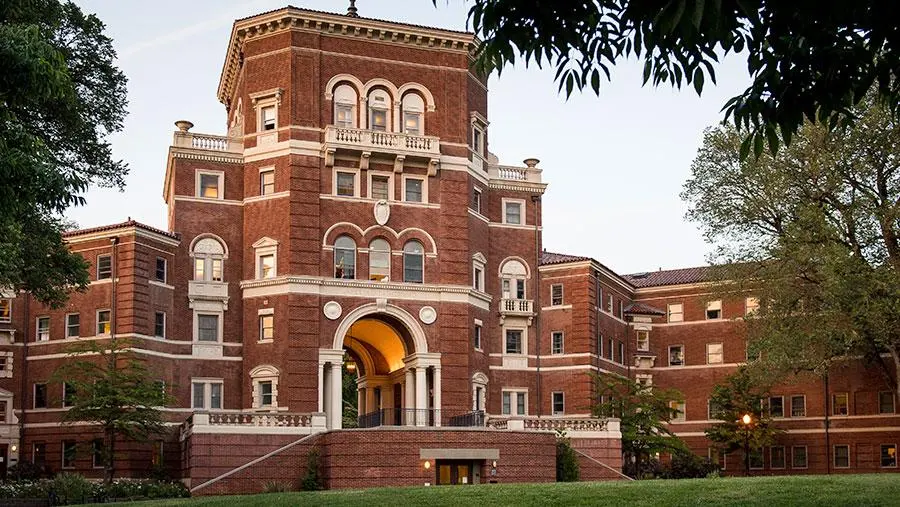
470	419
399	417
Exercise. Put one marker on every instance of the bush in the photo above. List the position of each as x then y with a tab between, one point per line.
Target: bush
276	487
27	471
312	481
687	465
566	461
68	489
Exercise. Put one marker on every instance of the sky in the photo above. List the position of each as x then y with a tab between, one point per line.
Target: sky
615	163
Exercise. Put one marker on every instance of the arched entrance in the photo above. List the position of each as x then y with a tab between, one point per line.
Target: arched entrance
398	380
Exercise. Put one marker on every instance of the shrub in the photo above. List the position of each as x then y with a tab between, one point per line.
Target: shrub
276	487
27	471
69	489
566	461
687	465
312	481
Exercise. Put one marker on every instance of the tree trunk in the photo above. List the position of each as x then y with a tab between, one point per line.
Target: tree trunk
747	457
109	466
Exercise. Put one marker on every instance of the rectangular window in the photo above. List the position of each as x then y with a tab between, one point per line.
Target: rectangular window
346	183
599	295
5	310
798	457
559	404
159	324
266	327
476	200
611	349
412	123
209	186
757	459
676	355
514	402
40	396
621	309
599	345
344	113
199	395
97	451
380	188
714	310
798	406
156	459
267	266
199	269
889	455
68	395
556	295
267	182
413	190
751	306
842	456
68	454
776	406
477	136
206	395
713	410
678	410
643	341
43	329
520	404
478	278
776	457
216	275
512	213
160	274
379	119
476	336
714	353
886	402
840	404
268	117
676	312
556	342
507	403
621	353
103	322
513	341
609	303
104	267
39	453
265	393
208	328
215	396
3	406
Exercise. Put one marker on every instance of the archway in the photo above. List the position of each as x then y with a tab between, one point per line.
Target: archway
398	382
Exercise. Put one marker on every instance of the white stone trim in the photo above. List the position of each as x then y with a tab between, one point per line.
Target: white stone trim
220	191
415	330
421	177
522	211
390	177
334	180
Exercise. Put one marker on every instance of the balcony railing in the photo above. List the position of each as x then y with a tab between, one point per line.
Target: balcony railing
553	423
276	420
203	289
207	142
399	417
373	140
516	307
472	419
514	173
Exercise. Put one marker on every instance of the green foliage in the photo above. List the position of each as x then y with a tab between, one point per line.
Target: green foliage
276	487
820	224
687	465
60	98
807	60
567	469
644	414
312	479
27	471
114	390
351	412
68	488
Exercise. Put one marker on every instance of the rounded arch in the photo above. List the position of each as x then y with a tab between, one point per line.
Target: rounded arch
416	333
265	370
374	231
479	378
421	235
340	78
382	83
339	229
517	259
420	88
209	235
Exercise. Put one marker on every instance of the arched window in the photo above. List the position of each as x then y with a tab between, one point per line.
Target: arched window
379	260
265	386
413	111
345	101
209	255
379	110
513	274
413	262
345	258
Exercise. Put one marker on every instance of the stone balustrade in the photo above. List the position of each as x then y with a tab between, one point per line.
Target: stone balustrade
207	142
236	422
572	426
374	140
514	173
516	307
265	420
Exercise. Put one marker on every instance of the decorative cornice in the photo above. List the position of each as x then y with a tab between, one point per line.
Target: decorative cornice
292	18
518	187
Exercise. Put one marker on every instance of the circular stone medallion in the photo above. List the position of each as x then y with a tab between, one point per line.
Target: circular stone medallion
427	315
332	310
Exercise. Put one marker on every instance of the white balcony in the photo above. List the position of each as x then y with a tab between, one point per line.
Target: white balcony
516	308
206	142
203	292
382	142
514	173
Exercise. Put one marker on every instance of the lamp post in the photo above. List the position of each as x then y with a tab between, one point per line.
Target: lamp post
747	421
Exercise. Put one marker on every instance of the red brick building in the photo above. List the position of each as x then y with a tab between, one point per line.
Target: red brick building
353	219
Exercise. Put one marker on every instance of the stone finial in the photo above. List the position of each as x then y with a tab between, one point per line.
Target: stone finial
531	162
184	125
352	11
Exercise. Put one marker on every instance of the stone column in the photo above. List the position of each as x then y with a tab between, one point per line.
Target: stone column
361	401
410	401
336	387
437	395
421	397
321	387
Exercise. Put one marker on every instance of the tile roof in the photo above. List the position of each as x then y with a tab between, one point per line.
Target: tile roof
121	225
669	277
643	309
558	258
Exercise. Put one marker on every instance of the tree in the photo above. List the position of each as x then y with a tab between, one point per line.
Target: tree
814	232
644	415
113	389
567	468
350	414
808	60
60	98
740	403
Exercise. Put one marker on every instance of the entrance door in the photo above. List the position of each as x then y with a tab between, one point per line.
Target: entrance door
4	457
398	411
453	472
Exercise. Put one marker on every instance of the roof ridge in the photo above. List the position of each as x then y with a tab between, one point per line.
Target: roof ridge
109	227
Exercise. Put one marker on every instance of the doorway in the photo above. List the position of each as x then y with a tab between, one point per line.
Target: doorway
453	472
4	457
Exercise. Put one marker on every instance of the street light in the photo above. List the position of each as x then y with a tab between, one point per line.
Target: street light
746	420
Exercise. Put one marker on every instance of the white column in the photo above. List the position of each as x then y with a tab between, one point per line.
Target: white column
410	401
361	401
336	388
321	387
437	395
421	397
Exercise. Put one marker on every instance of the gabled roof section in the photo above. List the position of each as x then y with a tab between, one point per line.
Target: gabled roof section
643	309
670	277
559	258
122	225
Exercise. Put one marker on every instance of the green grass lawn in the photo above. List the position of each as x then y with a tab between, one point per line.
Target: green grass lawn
843	490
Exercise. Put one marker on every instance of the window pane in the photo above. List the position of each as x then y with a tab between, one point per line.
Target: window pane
513	213
799	457
267	182
159	327
413	190
268	118
379	188
889	455
344	115
265	393
676	356
776	406
5	310
513	341
839	404
160	269
215	396
104	267
520	403
345	258
266	327
267	266
411	122
73	325
208	328
886	402
798	406
209	185
506	403
379	260
413	269
557	343
199	268
43	329
199	395
379	119
346	183
216	270
841	456
103	326
476	201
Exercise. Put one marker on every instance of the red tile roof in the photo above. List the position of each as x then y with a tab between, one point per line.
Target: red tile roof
669	277
643	309
112	227
558	258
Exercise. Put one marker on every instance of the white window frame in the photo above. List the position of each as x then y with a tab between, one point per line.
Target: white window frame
263	247
783	412
477	144
645	341
609	303
562	342
220	191
801	396
524	331
562	295
262	187
682	410
893	402
369	176
834	406
407	108
262	101
478	272
621	347
521	202
6	371
258	375
97	322
671	313
388	109
390	258
261	314
478	335
219	332
334	181
514	394
164	319
207	392
343	101
751	306
805	457
37	328
553	410
712	306
404	254
480	201
710	354
208	259
97	266
669	356
424	180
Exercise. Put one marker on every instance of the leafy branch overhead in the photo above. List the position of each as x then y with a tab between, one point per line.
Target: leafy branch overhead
807	60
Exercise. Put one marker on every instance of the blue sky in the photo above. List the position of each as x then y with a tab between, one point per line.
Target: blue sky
615	163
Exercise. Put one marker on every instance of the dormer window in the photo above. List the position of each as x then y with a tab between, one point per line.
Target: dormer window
379	108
